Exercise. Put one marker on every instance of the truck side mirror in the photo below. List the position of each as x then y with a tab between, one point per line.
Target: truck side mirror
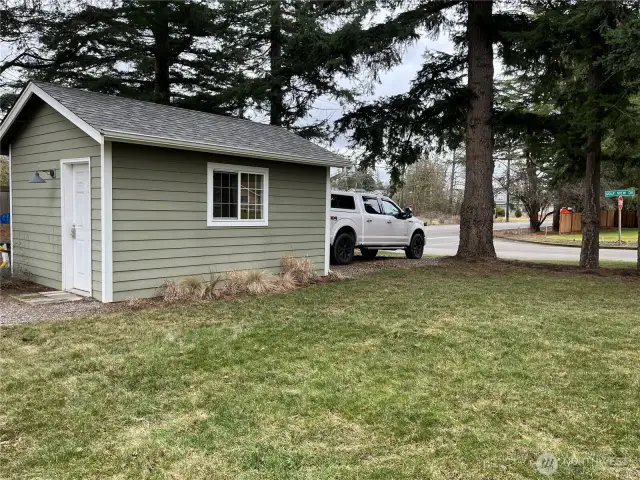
408	213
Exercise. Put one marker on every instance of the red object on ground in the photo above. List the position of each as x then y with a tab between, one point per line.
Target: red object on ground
564	210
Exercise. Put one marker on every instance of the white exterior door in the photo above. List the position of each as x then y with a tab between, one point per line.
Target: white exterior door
80	225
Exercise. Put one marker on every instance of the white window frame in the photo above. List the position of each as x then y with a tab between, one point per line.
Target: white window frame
237	222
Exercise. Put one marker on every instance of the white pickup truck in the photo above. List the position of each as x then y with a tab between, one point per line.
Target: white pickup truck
372	222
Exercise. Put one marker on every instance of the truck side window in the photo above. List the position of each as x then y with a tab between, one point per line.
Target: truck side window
345	202
389	208
371	205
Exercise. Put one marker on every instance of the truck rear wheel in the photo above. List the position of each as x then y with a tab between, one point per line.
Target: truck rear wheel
342	249
368	253
416	247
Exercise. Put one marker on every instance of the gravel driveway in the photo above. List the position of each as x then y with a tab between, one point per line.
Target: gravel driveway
12	311
384	259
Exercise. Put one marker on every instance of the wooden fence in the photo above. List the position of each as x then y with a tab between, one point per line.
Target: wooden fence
565	222
629	219
4	200
607	217
572	222
576	222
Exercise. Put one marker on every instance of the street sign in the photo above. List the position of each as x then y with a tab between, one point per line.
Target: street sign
630	192
620	203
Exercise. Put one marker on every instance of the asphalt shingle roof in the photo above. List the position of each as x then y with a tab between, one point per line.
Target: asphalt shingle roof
110	113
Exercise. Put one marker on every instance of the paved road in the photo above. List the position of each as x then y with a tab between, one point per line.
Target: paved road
443	240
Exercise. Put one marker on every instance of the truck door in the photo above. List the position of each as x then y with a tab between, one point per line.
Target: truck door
396	227
373	221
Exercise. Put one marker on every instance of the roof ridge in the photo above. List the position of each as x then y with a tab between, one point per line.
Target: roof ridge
38	82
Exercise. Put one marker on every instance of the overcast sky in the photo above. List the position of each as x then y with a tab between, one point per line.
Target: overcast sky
392	82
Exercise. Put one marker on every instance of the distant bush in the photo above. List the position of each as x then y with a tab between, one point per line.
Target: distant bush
499	211
518	213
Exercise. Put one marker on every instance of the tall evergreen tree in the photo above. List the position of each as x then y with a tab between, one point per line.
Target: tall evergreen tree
20	23
298	51
275	57
566	51
450	90
476	220
171	52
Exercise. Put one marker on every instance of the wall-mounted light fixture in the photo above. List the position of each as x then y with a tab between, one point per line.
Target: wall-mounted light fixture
37	179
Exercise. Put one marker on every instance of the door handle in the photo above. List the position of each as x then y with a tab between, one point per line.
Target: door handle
388	221
369	220
73	232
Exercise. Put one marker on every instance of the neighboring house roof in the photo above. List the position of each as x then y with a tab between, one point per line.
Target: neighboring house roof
123	119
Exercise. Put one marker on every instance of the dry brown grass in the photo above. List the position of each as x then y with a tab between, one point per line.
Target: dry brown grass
335	276
300	270
296	272
252	282
198	289
288	281
190	288
137	303
170	291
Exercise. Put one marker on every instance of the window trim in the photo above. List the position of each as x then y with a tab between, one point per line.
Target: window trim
238	169
372	197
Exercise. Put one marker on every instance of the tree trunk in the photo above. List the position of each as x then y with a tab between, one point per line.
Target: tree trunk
556	217
453	177
275	56
533	194
476	223
590	252
534	224
161	54
508	186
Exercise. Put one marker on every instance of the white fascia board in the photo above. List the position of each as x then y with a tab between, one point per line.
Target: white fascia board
128	137
106	216
33	89
327	223
11	211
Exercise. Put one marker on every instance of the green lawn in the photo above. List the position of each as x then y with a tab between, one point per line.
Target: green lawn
628	235
608	238
444	372
604	264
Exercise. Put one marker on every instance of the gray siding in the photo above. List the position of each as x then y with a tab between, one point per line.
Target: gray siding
160	219
47	138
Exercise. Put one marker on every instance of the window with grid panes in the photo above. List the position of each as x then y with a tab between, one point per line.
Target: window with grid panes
237	195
